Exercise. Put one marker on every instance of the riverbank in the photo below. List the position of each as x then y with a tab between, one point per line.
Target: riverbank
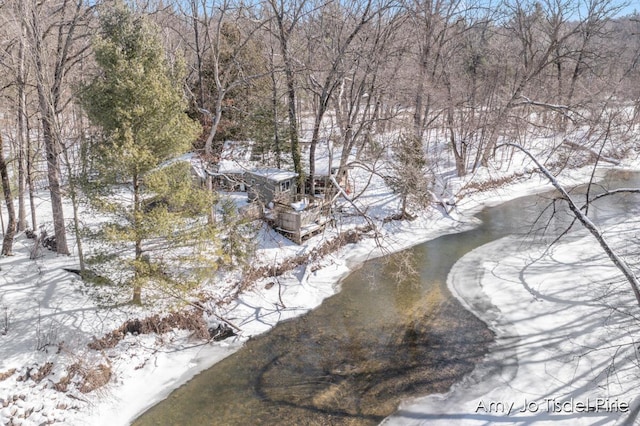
145	368
305	289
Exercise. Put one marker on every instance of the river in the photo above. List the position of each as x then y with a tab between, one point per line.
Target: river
393	332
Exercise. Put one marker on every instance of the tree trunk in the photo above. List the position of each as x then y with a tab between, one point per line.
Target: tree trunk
293	122
312	151
53	175
32	193
291	102
73	189
208	148
22	183
283	34
47	104
137	278
10	232
1	219
22	134
76	228
276	118
215	122
458	154
418	129
196	34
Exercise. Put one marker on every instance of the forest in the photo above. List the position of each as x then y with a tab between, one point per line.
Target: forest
117	117
456	78
99	99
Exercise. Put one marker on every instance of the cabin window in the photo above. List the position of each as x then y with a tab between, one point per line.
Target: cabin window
285	186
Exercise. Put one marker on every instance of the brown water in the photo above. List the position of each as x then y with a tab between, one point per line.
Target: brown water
393	332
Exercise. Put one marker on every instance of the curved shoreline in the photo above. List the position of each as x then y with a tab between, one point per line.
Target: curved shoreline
538	337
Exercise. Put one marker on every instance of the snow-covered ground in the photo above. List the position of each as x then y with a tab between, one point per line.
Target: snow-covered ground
51	315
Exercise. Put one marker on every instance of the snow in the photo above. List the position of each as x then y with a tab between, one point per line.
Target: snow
566	339
557	333
276	175
300	205
326	163
194	160
566	327
231	167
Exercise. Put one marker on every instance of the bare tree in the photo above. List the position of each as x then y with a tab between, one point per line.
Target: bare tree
431	20
367	85
10	231
54	35
224	47
341	24
286	16
22	130
590	37
224	44
15	74
51	68
467	94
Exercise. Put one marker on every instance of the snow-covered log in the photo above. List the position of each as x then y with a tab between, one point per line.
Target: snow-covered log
591	151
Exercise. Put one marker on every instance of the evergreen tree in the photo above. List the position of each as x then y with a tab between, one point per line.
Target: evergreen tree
236	76
137	101
411	178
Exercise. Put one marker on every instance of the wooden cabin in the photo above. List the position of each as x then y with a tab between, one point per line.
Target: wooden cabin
229	176
271	186
323	186
294	215
326	168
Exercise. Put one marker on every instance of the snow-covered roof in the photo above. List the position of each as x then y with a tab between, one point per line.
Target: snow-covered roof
235	158
322	165
237	150
189	156
277	175
231	166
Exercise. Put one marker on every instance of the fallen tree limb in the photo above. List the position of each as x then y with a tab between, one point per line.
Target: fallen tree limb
591	151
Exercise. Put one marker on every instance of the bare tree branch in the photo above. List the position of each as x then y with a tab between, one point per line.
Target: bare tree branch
618	261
